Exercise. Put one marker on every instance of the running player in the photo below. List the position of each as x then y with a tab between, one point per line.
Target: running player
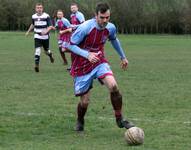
89	63
76	18
41	23
64	27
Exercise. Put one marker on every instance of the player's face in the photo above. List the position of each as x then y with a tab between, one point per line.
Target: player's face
74	8
103	18
39	9
60	14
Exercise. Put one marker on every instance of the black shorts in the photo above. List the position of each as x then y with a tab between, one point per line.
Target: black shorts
41	43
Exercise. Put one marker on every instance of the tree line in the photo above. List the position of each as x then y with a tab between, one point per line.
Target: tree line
130	16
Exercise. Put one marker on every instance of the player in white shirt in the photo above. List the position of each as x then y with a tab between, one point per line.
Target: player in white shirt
41	23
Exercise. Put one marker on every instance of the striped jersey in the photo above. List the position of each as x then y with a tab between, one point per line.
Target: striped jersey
88	36
41	23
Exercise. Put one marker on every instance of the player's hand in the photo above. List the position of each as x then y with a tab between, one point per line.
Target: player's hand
124	64
44	32
69	29
60	32
93	57
53	28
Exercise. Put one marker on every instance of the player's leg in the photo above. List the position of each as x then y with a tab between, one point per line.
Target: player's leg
106	76
115	96
65	44
82	86
45	44
62	54
81	111
38	45
116	100
65	62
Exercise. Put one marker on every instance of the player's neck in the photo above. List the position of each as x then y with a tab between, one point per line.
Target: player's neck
39	14
99	27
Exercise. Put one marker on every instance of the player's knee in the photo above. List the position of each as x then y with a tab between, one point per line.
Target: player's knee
85	102
113	88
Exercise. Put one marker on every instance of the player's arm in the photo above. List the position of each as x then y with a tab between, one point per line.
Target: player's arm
50	26
65	31
91	56
29	29
68	25
80	18
117	46
74	26
77	38
44	32
77	50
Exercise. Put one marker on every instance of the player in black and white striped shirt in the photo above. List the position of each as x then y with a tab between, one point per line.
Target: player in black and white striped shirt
41	23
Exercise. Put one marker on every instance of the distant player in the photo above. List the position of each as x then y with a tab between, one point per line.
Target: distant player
41	23
64	27
89	63
76	18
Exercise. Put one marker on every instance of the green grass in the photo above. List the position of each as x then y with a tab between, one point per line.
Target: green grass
38	111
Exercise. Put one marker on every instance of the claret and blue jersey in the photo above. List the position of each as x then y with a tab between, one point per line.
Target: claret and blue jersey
63	24
89	37
77	18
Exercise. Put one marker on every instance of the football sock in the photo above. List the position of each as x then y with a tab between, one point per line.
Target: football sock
37	59
81	112
60	49
116	100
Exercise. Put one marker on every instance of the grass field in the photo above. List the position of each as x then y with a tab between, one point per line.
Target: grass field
38	111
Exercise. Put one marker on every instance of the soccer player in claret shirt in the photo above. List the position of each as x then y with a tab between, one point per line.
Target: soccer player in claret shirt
76	18
89	63
64	27
41	23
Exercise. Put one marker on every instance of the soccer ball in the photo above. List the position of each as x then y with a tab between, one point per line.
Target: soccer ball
134	136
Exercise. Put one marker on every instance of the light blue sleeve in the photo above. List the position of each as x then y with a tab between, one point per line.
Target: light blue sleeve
66	23
117	46
80	17
112	31
76	38
79	34
75	49
114	40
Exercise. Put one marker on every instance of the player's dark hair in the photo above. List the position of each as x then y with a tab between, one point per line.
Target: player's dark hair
74	4
38	4
60	10
102	7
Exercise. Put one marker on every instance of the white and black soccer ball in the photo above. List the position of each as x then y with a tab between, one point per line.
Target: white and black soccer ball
134	136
